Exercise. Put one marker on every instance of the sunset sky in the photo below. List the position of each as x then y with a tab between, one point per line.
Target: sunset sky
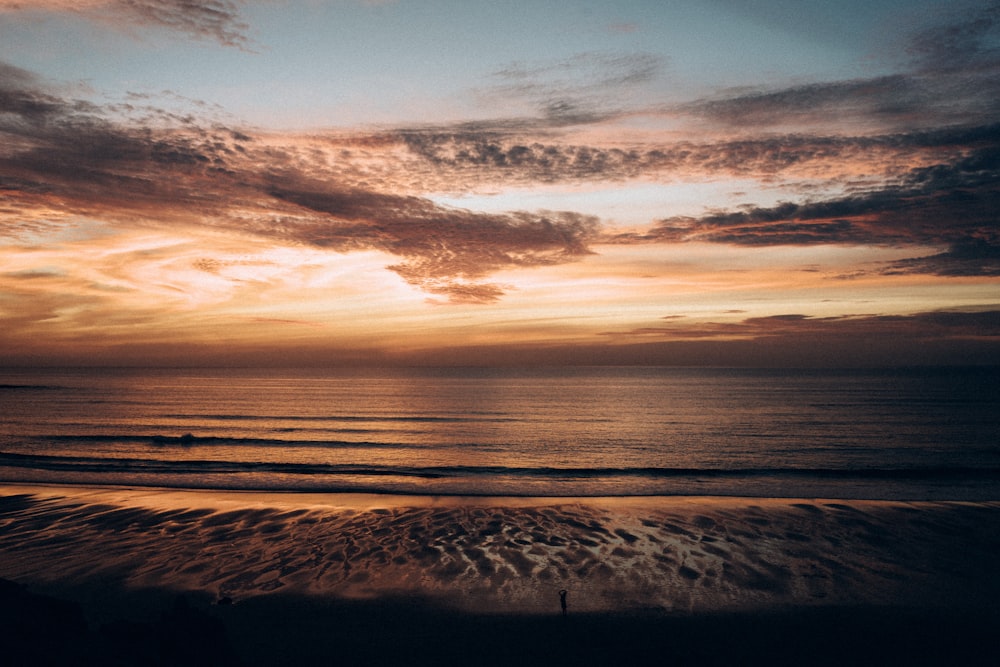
723	182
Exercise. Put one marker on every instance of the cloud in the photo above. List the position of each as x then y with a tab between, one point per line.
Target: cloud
966	44
588	71
21	95
445	251
214	20
952	203
972	257
931	325
70	156
474	157
944	337
484	155
939	169
927	176
490	155
951	78
574	90
34	274
75	158
893	96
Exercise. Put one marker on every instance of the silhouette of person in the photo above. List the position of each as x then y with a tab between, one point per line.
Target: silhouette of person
562	600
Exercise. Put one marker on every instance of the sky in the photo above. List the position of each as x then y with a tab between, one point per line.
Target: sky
405	182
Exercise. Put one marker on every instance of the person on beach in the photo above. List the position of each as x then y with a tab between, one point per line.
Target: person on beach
562	600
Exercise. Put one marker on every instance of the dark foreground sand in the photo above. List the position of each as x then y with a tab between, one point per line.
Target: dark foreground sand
120	576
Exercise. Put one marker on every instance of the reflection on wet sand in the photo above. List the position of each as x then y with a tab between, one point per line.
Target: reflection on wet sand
489	554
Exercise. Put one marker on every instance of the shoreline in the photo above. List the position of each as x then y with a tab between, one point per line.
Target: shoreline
403	499
971	484
370	573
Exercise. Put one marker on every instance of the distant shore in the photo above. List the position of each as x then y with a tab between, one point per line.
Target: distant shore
309	572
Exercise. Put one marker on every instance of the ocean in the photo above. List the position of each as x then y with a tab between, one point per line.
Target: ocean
898	434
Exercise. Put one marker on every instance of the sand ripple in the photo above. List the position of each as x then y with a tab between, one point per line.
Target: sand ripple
489	554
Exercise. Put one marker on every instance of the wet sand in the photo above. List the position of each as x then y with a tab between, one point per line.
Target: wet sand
406	579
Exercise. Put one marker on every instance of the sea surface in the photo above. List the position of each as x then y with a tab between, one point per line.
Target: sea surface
907	434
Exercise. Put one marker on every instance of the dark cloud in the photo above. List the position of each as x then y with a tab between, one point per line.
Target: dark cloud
969	43
214	20
483	156
949	200
972	257
572	90
22	97
911	100
494	156
951	78
445	251
933	325
66	155
589	70
953	204
949	337
217	20
894	95
497	155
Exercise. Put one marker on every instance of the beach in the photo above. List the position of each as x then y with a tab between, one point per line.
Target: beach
291	577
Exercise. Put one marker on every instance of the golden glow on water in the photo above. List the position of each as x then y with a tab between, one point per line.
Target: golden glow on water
581	431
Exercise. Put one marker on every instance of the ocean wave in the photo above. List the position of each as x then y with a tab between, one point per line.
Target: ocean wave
188	440
417	419
30	387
